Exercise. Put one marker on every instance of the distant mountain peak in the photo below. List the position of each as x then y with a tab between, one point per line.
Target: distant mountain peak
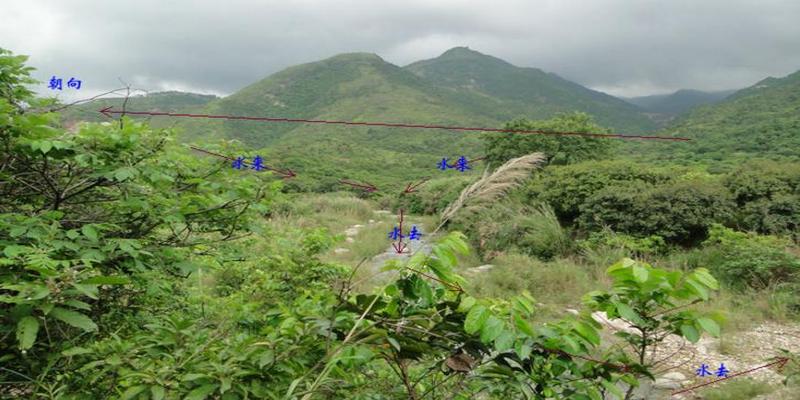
357	57
462	51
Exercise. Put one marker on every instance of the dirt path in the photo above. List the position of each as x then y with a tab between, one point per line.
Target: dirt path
412	247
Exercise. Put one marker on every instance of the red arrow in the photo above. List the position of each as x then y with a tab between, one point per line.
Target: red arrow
108	111
412	188
781	360
287	174
368	187
399	247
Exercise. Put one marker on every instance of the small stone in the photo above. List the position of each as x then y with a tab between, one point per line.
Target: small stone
573	311
349	240
358	226
382	212
662	383
351	232
340	250
372	221
674	376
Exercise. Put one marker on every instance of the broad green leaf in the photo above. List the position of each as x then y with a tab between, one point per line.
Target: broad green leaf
504	341
476	317
571	343
393	342
523	350
447	257
587	332
124	173
27	328
74	318
703	276
612	388
523	325
626	312
157	392
192	377
523	305
45	146
492	328
78	304
88	290
15	250
268	357
75	351
621	265
690	333
89	232
697	288
709	326
640	273
132	392
201	392
466	304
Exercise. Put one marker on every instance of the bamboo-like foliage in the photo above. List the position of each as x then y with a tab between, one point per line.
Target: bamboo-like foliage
492	186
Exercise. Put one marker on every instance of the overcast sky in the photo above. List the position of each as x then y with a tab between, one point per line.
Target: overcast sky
624	48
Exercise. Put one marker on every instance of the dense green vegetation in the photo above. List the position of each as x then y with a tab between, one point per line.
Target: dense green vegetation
528	92
761	121
134	269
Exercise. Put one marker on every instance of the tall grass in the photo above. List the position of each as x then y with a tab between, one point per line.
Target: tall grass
492	187
739	389
559	283
544	236
334	211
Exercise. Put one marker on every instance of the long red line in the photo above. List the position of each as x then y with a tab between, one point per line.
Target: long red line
108	111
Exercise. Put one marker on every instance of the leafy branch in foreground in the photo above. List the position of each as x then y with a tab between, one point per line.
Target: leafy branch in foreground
438	340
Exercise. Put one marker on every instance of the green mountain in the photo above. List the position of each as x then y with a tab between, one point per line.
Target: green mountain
363	87
760	121
679	102
351	87
528	92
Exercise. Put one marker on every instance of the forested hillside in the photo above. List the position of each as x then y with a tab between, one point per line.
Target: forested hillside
760	121
527	92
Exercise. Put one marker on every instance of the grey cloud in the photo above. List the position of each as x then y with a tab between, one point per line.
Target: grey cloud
624	47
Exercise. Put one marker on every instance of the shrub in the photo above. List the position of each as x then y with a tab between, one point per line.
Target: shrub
566	188
633	246
559	149
763	179
680	212
747	259
776	215
542	235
